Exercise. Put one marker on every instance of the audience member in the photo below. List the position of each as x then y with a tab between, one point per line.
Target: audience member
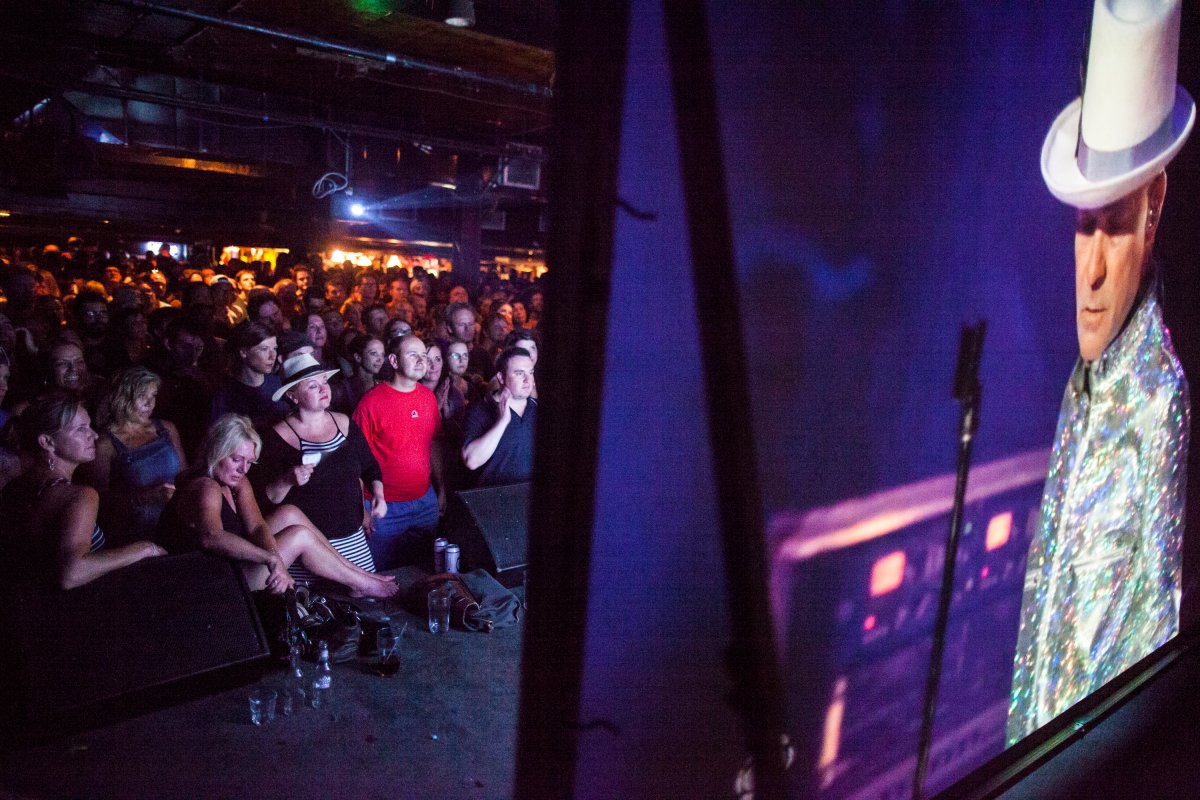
249	387
10	463
399	419
185	396
89	320
375	318
137	458
264	309
396	327
438	380
367	355
128	342
214	509
51	531
498	438
318	460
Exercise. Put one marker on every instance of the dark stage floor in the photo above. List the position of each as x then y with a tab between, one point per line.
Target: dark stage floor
1147	748
444	727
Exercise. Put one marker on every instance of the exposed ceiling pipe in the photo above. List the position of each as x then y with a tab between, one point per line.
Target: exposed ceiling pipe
335	47
287	118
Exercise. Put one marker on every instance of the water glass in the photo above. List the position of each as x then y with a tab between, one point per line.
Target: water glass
439	610
262	706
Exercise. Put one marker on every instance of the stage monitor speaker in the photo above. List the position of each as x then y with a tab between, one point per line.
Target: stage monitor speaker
156	632
491	526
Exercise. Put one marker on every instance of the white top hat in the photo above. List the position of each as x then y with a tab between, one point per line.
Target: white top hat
1134	117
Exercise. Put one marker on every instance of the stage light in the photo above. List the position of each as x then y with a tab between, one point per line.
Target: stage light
460	13
887	573
357	209
998	530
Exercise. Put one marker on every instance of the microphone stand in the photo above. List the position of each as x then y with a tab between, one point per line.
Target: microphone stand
967	392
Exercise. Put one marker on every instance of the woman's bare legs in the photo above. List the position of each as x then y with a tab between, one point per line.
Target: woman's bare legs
286	516
305	544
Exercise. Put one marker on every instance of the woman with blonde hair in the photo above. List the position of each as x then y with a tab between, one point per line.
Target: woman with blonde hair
214	509
137	458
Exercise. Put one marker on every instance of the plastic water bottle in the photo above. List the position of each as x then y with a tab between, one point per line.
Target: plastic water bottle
322	685
292	696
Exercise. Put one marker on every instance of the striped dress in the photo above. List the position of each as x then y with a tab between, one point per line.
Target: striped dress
354	548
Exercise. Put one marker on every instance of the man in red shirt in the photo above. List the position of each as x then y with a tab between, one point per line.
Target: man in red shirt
399	419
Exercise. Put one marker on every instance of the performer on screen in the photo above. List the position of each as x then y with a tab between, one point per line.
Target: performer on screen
1103	575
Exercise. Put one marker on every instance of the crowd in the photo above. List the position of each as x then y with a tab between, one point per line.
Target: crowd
305	421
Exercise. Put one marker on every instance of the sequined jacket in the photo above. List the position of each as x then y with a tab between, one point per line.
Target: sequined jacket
1103	573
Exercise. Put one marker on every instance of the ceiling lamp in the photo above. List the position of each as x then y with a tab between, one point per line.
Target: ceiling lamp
460	13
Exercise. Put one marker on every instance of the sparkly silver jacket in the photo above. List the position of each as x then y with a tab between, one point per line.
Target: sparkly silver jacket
1102	578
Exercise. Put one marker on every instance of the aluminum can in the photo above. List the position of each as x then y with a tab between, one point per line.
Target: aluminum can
452	558
439	555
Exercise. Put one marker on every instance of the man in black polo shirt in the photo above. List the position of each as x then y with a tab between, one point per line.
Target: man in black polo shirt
498	438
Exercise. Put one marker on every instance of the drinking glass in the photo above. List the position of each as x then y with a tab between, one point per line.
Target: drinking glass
262	706
387	661
439	610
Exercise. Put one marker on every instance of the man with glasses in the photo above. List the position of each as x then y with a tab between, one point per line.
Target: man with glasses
399	418
89	319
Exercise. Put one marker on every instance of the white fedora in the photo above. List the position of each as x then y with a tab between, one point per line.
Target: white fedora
298	368
1134	116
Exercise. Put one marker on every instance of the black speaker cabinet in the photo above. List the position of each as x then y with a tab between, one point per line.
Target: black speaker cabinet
491	526
157	632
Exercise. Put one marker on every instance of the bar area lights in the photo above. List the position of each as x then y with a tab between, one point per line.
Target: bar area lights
460	13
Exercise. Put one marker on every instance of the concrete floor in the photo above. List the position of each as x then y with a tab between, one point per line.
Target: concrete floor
444	727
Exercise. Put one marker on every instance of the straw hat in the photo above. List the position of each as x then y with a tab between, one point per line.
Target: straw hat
298	368
1134	116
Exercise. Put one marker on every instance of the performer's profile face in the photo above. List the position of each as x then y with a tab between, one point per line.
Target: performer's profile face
1112	246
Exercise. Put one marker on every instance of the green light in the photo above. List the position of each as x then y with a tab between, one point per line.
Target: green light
372	8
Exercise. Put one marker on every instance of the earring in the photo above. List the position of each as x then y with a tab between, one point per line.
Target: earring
50	462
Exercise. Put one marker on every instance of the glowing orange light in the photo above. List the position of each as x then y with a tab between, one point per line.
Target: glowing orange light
869	623
998	530
888	573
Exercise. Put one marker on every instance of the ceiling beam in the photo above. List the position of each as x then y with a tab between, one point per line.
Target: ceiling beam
382	56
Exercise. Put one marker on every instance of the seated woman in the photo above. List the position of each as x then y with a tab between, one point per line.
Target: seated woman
51	529
137	458
214	509
319	461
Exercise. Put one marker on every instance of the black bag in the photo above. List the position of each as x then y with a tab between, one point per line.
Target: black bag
317	619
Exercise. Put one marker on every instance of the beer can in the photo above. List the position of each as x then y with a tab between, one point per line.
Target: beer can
451	558
439	555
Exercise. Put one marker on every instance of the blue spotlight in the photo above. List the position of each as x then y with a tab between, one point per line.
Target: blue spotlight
357	209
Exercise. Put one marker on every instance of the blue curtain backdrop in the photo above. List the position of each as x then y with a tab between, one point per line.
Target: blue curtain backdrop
884	187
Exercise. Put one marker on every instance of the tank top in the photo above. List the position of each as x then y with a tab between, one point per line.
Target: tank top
323	448
154	463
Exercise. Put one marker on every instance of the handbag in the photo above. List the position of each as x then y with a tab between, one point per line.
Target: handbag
478	602
316	619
